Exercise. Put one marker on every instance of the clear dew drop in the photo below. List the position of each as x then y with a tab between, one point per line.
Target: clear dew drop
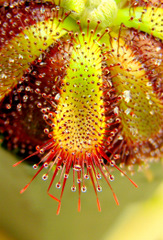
78	180
149	84
35	166
26	37
112	163
19	106
98	176
73	189
8	106
41	151
111	177
152	112
25	98
86	176
83	189
44	177
116	156
77	167
127	96
46	131
59	168
20	56
116	110
8	15
57	96
89	166
3	75
45	165
66	175
99	188
127	111
58	185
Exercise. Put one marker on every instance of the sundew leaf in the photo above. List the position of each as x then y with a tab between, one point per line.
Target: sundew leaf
100	110
26	43
148	20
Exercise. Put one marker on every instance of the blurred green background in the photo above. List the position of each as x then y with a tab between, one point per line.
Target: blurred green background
32	215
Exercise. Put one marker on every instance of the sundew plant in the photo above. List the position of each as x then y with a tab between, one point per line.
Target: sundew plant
81	88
